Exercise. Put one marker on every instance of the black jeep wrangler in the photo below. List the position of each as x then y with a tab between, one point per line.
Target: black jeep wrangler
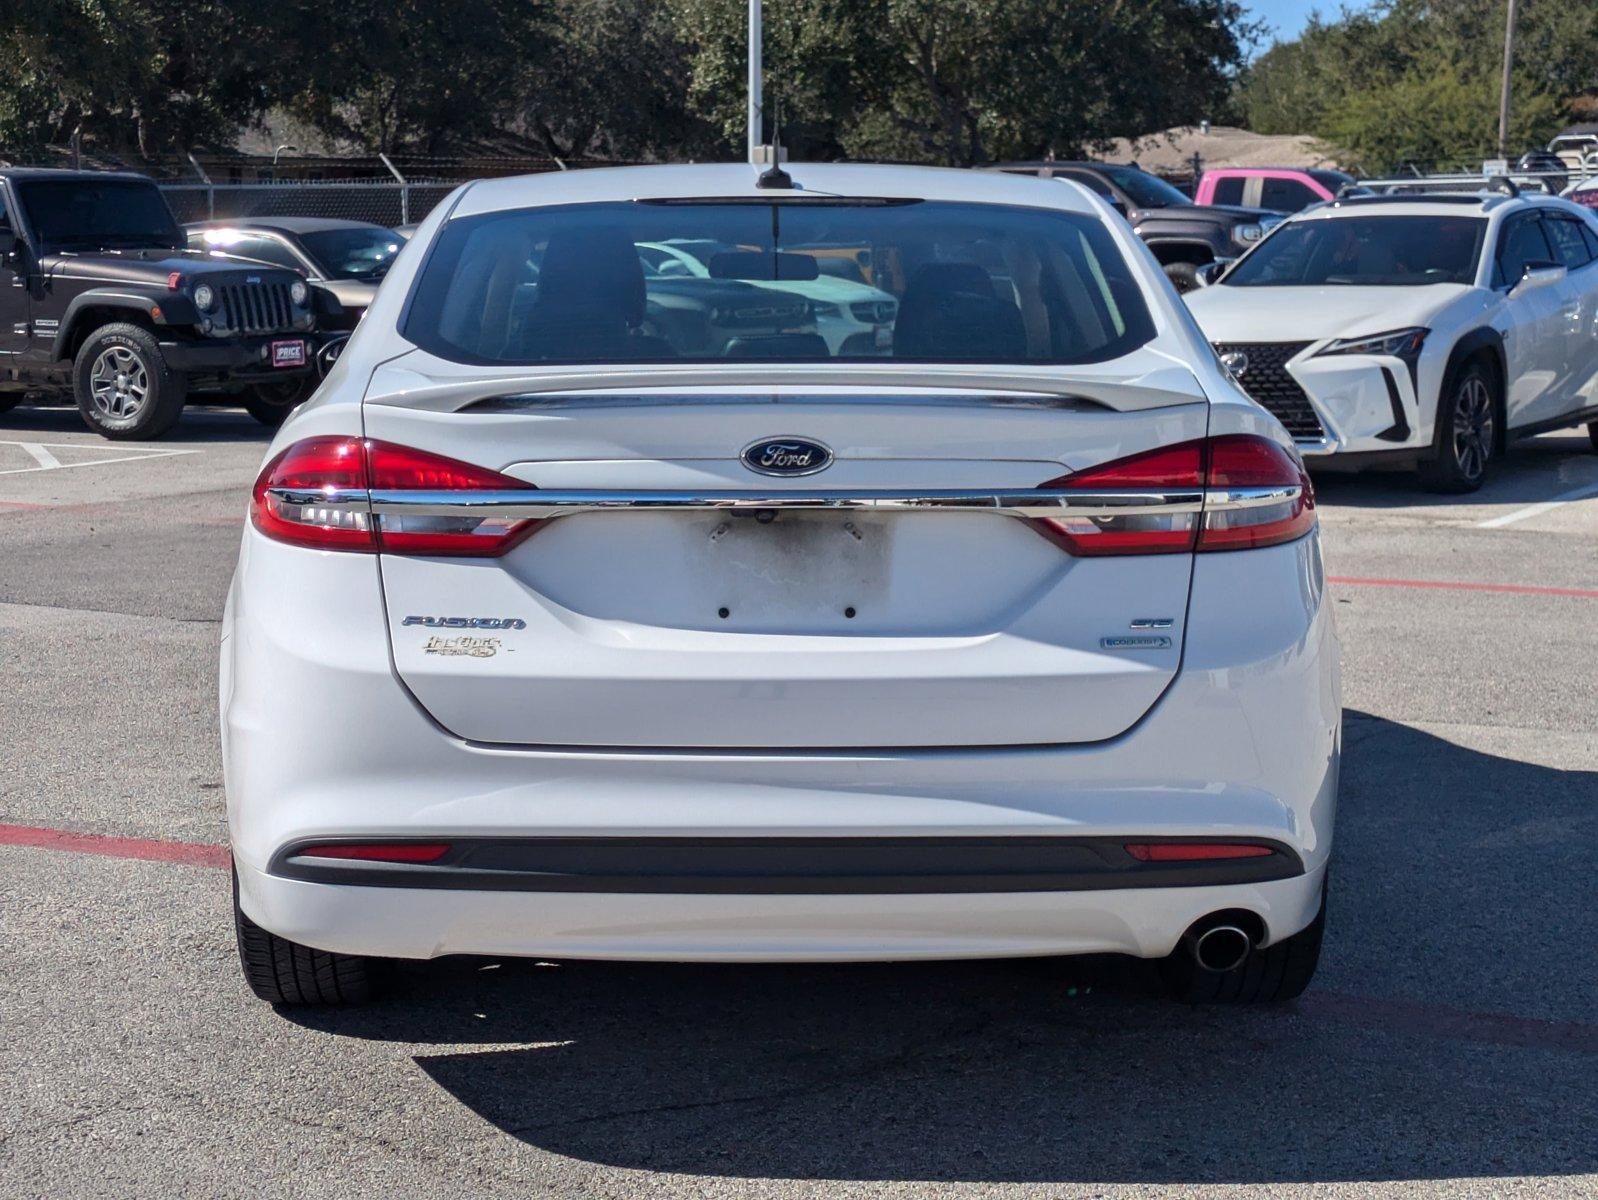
100	296
1182	235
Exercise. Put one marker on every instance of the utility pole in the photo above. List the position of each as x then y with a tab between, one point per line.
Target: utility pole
756	115
1503	94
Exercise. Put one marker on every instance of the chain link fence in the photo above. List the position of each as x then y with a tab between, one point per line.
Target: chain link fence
383	190
391	203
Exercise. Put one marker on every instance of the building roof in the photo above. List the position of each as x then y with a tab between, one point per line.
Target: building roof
1222	146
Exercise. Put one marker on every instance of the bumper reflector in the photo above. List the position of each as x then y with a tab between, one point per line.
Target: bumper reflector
1193	851
396	852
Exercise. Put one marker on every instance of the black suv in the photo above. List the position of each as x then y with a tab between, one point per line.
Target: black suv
100	296
1183	235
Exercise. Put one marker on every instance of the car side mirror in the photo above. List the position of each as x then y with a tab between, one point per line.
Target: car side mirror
1209	273
1538	274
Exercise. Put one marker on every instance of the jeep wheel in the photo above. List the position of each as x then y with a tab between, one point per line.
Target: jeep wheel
271	403
1183	275
123	386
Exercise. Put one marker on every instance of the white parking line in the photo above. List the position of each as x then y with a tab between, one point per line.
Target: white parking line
1537	510
40	452
41	455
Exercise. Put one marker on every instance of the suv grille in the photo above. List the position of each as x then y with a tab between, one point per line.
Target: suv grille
1268	382
256	307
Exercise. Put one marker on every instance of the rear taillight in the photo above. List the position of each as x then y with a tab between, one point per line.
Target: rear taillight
463	535
320	493
1175	473
1233	492
1258	495
314	494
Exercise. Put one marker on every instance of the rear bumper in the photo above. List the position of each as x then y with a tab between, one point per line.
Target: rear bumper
787	866
417	923
321	742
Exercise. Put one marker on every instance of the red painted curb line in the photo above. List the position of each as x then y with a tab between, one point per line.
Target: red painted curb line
194	854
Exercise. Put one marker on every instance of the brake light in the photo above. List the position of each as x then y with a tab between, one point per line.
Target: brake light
318	493
1253	491
1240	510
301	496
399	468
1177	468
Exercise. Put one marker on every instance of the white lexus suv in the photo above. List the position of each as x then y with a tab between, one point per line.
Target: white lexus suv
1417	329
551	638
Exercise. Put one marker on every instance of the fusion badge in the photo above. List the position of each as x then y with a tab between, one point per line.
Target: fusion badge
467	622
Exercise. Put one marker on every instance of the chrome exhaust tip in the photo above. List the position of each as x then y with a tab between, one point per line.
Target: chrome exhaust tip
1220	948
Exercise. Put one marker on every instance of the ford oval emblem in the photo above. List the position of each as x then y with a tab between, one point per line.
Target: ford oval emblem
786	456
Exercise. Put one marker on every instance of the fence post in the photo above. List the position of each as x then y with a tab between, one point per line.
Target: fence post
405	190
210	188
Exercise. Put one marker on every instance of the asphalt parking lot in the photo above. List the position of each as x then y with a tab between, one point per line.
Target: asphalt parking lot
1448	1047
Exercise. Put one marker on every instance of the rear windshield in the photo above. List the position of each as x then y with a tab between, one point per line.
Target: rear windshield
924	281
1364	252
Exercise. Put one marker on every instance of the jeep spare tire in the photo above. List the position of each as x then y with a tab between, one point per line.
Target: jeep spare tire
123	386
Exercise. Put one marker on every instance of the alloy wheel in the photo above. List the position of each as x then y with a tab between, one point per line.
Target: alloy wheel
119	383
1473	427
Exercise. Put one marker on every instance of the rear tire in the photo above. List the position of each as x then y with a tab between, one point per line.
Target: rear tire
271	403
1467	433
1183	275
283	972
1267	976
123	387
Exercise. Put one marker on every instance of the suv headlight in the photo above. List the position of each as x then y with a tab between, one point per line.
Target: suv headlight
1252	232
1403	344
299	292
204	298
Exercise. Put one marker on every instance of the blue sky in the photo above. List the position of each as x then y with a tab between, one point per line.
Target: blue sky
1287	17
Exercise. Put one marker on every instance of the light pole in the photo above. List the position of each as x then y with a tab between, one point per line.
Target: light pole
756	115
1503	92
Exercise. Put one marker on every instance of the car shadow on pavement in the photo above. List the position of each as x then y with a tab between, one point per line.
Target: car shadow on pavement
200	423
1450	1033
1533	470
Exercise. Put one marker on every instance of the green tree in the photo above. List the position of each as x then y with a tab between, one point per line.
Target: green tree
969	81
135	76
1418	80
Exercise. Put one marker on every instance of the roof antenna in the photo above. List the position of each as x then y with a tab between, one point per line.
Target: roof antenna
774	176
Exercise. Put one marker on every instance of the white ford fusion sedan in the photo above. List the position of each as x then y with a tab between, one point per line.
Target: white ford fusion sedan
556	632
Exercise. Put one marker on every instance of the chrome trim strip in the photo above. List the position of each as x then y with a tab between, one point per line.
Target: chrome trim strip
1020	503
1025	503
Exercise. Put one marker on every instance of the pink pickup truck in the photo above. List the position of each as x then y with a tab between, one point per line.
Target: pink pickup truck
1284	189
